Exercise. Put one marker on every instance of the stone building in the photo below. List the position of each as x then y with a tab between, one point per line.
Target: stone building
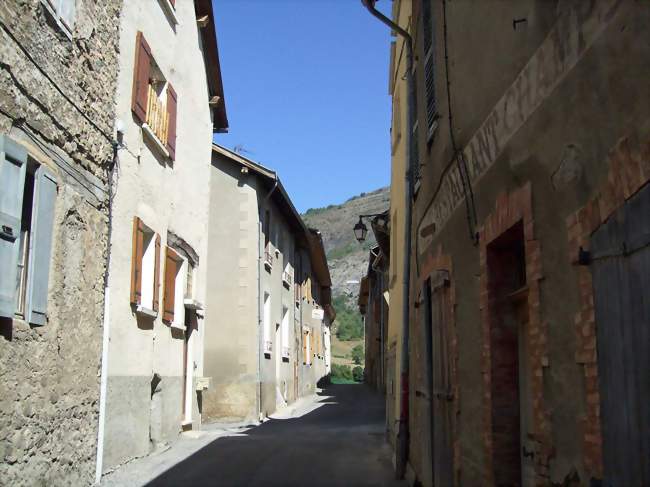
169	103
528	345
58	74
267	340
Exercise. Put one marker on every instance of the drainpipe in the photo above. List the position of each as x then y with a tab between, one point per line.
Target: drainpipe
99	463
403	433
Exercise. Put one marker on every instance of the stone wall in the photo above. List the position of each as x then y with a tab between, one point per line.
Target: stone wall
57	98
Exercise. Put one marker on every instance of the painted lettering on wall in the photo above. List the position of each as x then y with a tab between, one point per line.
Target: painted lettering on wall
574	32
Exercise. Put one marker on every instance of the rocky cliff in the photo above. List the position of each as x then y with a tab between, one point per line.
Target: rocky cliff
348	260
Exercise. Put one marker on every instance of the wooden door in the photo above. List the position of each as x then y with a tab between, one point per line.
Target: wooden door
441	374
620	252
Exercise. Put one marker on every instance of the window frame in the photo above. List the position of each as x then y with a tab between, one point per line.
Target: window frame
55	7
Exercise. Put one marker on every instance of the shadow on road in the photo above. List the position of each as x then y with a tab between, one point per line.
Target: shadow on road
339	443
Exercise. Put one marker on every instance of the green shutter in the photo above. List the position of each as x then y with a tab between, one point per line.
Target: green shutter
45	191
13	164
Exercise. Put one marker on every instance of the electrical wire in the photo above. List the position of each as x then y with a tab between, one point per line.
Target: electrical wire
54	84
470	207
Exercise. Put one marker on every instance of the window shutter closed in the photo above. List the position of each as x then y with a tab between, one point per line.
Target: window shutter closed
13	164
429	65
136	261
156	274
45	191
171	261
172	100
141	78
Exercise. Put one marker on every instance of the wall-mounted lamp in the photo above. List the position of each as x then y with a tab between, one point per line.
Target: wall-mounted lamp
360	229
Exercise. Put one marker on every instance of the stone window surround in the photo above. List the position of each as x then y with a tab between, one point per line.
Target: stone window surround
56	17
629	171
511	208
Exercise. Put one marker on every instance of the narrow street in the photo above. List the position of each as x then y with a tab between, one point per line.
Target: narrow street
341	442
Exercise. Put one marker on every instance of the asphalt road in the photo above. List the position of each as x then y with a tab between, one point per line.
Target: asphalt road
341	443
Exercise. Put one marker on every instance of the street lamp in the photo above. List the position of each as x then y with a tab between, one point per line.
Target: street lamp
360	231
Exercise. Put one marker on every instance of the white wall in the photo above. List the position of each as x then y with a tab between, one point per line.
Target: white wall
166	197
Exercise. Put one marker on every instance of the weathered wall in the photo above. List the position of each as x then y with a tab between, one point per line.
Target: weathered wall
231	339
49	387
277	374
395	285
167	197
556	94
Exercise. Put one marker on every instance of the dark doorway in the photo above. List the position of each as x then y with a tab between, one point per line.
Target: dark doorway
512	455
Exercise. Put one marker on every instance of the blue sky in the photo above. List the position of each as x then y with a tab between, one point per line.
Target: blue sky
306	89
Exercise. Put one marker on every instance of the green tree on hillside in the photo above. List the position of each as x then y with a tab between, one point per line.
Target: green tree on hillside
350	326
357	354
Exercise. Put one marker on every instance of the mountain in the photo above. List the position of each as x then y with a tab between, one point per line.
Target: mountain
348	260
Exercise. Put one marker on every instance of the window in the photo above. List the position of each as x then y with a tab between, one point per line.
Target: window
27	200
173	306
429	68
268	344
268	258
145	268
287	278
306	349
63	12
154	101
285	333
189	281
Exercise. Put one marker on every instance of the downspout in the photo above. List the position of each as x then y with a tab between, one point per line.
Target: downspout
403	432
103	384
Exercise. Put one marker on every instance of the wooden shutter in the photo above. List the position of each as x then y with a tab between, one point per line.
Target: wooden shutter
45	191
169	292
429	65
172	101
141	72
621	282
156	275
13	164
136	261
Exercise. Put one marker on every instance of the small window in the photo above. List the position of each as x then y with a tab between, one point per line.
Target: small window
27	205
145	268
189	281
154	100
268	344
173	306
64	12
285	333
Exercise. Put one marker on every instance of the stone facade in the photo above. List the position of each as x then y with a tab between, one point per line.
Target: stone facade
56	99
517	173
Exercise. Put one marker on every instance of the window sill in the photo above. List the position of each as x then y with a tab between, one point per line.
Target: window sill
156	141
176	325
170	11
146	312
193	304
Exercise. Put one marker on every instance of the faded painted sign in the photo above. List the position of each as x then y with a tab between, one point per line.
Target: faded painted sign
574	32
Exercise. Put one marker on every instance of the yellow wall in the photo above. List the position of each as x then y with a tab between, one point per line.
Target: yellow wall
401	14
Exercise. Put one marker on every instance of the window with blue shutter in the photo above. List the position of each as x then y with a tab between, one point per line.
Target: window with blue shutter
13	167
45	190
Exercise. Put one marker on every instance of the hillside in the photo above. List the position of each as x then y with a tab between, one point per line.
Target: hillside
348	260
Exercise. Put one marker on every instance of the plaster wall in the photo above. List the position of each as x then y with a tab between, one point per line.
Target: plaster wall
231	340
277	374
166	196
49	386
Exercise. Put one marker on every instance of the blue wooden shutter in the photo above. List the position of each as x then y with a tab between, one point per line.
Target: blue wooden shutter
13	164
41	249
